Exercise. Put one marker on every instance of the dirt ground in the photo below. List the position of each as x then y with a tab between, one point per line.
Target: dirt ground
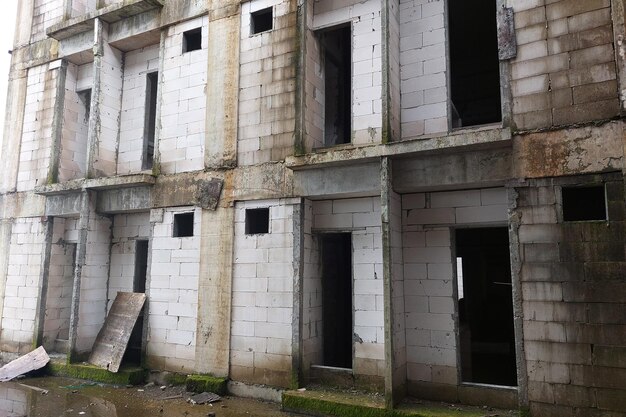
71	397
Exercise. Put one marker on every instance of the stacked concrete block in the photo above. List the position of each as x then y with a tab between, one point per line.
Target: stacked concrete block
14	402
565	68
423	67
365	18
127	229
267	84
21	292
37	126
183	100
172	293
361	216
429	274
572	278
393	95
93	282
263	296
313	87
73	152
45	14
80	7
137	65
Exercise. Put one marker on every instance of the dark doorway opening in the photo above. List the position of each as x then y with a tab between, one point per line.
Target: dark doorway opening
337	299
150	119
487	337
133	351
336	46
474	63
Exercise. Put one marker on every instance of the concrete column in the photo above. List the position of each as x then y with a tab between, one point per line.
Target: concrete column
12	134
81	253
57	125
25	10
43	283
518	313
298	273
156	155
390	70
96	91
618	12
5	241
300	98
215	291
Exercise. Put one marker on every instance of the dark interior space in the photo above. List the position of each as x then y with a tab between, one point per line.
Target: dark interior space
183	225
85	98
192	40
583	203
486	308
261	21
257	221
474	65
150	119
133	350
336	46
337	299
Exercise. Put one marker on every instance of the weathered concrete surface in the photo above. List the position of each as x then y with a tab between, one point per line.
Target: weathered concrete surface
353	180
569	151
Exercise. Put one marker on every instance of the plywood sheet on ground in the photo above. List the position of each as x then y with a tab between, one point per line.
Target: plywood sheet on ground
113	338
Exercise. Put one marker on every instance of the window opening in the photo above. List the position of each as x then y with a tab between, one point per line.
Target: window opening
336	46
183	224
261	21
474	63
336	256
85	99
257	221
486	330
150	119
192	40
584	203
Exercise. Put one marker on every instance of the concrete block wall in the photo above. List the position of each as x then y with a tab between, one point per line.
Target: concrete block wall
80	7
14	402
313	87
365	19
45	14
263	296
361	217
137	64
565	69
183	101
267	84
93	282
36	144
423	67
127	229
21	292
110	103
394	70
73	153
312	324
428	220
60	284
172	291
574	308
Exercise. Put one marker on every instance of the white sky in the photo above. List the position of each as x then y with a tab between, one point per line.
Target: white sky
7	29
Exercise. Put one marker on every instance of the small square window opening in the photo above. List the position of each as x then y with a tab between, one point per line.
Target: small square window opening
261	21
192	40
584	203
257	221
183	225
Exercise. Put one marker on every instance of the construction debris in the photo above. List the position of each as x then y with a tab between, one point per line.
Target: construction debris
32	361
204	398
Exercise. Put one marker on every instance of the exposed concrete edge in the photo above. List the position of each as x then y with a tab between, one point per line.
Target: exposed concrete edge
104	183
263	392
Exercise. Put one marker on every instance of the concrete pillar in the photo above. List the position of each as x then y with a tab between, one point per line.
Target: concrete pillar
12	134
57	125
618	12
43	283
391	70
298	273
300	99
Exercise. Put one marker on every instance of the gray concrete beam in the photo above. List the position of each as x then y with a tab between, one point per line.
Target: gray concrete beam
338	181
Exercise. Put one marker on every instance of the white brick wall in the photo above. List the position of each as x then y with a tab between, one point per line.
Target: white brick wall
172	293
262	304
363	217
137	64
80	7
266	86
183	101
45	14
429	273
127	229
21	295
423	67
14	402
73	156
37	127
312	295
365	18
314	87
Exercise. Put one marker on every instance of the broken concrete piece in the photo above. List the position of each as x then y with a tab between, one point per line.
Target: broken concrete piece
34	360
204	398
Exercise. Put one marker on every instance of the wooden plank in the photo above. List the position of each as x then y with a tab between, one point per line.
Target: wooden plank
36	359
114	335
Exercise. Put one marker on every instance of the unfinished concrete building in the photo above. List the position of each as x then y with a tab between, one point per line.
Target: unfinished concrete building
419	197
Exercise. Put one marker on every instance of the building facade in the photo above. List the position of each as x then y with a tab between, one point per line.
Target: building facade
419	197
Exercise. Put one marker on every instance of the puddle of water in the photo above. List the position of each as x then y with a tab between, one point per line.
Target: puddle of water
75	398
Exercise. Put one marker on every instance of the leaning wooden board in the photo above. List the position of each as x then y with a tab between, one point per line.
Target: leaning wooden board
114	335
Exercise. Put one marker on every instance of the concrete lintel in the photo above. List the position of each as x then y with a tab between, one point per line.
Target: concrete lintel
136	32
77	49
109	14
124	200
345	181
105	183
64	205
461	140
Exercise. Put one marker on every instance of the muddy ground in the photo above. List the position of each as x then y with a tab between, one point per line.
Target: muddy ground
71	397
